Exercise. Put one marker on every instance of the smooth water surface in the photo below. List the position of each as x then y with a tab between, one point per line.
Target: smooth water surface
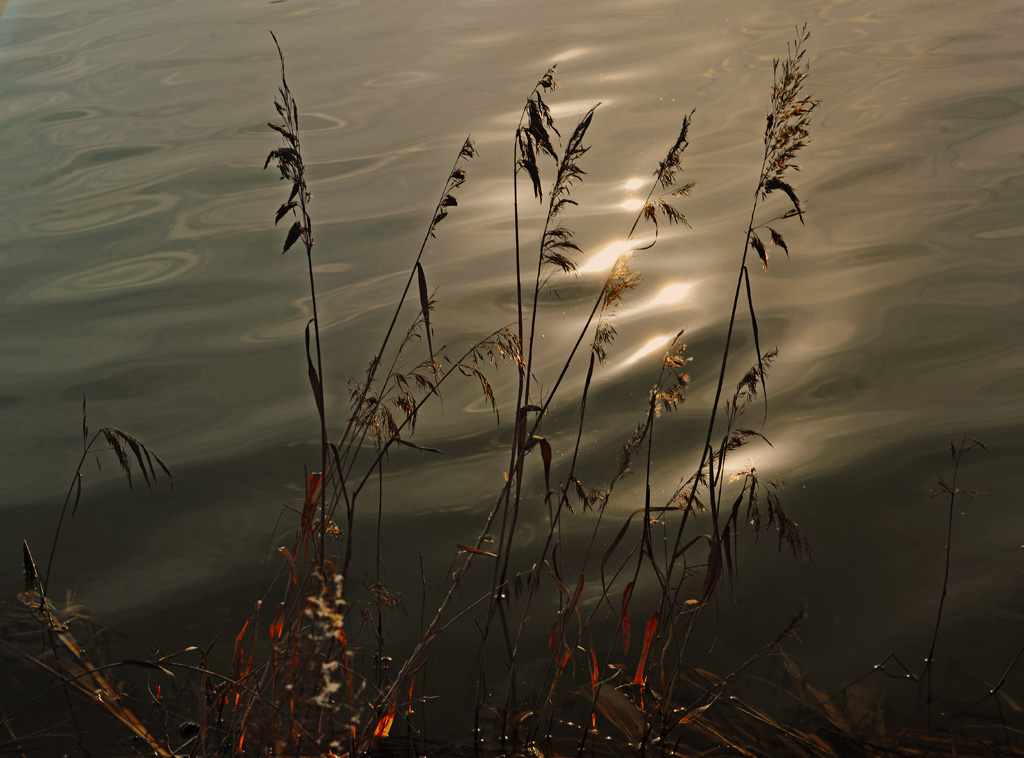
139	267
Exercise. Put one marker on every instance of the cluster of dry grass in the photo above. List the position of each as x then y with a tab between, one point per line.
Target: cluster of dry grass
580	643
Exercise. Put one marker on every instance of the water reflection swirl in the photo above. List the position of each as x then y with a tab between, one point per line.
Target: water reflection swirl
143	271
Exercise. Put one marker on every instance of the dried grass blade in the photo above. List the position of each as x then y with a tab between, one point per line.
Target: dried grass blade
313	482
146	665
414	446
291	563
110	434
474	551
762	253
78	493
624	622
682	551
31	573
383	728
314	378
293	235
694	714
712	577
425	305
283	210
545	454
97	687
622	712
778	241
576	596
757	343
614	544
277	625
731	545
652	625
137	450
775	183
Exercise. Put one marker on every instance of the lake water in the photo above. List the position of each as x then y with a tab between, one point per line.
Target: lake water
139	267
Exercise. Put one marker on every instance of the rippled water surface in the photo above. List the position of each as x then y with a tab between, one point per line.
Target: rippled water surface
139	268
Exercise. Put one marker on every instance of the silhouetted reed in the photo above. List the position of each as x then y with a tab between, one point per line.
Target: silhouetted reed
519	581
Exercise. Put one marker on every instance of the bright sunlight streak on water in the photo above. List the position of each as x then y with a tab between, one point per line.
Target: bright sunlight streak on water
654	343
671	293
605	258
633	203
576	52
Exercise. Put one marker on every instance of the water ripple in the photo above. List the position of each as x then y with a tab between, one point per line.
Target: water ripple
143	271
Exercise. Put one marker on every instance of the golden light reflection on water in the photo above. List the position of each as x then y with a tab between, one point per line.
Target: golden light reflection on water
652	345
575	52
631	185
670	294
603	260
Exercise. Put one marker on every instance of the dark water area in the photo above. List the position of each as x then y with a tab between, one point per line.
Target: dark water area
139	267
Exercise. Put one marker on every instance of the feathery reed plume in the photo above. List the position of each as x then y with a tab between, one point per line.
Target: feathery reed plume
619	281
404	390
621	278
786	132
786	135
362	392
532	139
555	240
